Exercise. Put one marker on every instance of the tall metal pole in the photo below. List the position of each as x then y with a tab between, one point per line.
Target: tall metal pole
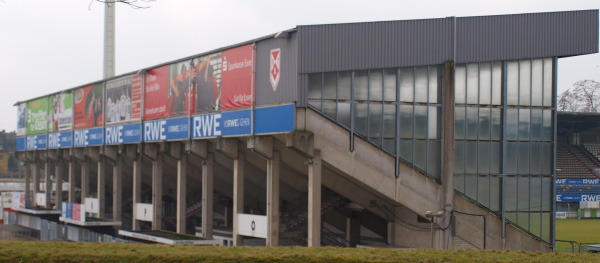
109	40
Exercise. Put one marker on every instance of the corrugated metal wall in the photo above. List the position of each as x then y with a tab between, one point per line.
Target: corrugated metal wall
505	37
287	89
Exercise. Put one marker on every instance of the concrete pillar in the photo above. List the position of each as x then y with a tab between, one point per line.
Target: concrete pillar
157	187
238	196
27	184
353	230
207	196
58	179
117	189
391	233
85	181
314	200
447	201
72	163
273	200
181	193
47	183
137	188
37	174
101	186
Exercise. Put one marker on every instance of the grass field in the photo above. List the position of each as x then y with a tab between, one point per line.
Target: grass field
582	231
120	252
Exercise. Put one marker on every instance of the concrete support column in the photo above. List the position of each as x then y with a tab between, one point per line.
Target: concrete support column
181	193
85	181
207	196
447	201
58	179
47	183
314	200
353	230
137	188
391	233
27	184
273	200
238	196
157	187
37	174
117	189
72	163
101	186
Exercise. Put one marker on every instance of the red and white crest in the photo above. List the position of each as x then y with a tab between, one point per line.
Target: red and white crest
275	69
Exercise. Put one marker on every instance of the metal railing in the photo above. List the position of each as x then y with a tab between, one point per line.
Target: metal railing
567	246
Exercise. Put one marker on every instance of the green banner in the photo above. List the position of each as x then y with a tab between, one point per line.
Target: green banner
37	116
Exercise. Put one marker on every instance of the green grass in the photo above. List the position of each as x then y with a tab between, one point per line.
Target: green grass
120	252
582	231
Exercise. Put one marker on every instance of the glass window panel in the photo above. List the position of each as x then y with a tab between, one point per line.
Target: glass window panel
376	85
472	83
485	83
375	120
389	82
471	186
537	78
420	157
483	188
496	124
495	193
407	84
523	220
535	221
329	85
406	121
536	124
360	118
435	82
535	196
344	85
435	116
471	157
524	124
536	158
390	145
546	194
460	84
314	86
547	130
546	226
523	158
406	150
548	82
329	109
484	123
389	121
525	82
484	157
361	85
343	113
459	123
547	158
434	159
511	193
421	84
511	158
512	123
523	201
512	93
421	122
495	157
472	119
316	104
459	157
459	183
497	83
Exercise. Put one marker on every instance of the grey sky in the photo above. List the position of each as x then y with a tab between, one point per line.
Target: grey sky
47	46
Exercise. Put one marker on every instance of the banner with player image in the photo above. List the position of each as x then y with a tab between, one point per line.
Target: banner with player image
206	80
123	99
37	114
88	106
181	92
60	115
21	119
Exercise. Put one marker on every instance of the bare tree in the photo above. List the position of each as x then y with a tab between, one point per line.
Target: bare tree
584	96
135	4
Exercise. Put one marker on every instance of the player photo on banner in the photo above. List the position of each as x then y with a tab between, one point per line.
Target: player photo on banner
88	106
60	115
123	99
206	80
21	119
37	114
180	88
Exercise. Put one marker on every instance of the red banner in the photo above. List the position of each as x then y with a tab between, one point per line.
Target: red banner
156	99
236	77
88	110
136	97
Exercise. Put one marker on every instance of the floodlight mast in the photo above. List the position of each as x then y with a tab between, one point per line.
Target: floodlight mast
109	40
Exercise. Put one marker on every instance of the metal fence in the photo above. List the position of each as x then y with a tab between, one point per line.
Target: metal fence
566	246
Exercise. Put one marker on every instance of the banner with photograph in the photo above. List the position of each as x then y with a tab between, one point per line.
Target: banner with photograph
123	99
180	88
60	115
236	77
206	80
21	119
88	106
37	114
156	94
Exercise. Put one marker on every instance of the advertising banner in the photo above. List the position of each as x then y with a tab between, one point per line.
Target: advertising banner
60	115
36	142
252	225
236	77
275	119
206	80
156	95
577	198
37	116
129	133
181	92
60	140
170	129
88	106
222	124
21	120
123	99
18	201
73	211
88	137
577	181
21	142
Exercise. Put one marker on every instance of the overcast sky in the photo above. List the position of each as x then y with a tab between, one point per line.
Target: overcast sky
47	46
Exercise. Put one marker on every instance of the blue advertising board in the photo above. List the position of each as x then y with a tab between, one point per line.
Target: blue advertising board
128	133
88	137
577	198
578	181
231	123
170	129
275	119
60	140
36	142
21	143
